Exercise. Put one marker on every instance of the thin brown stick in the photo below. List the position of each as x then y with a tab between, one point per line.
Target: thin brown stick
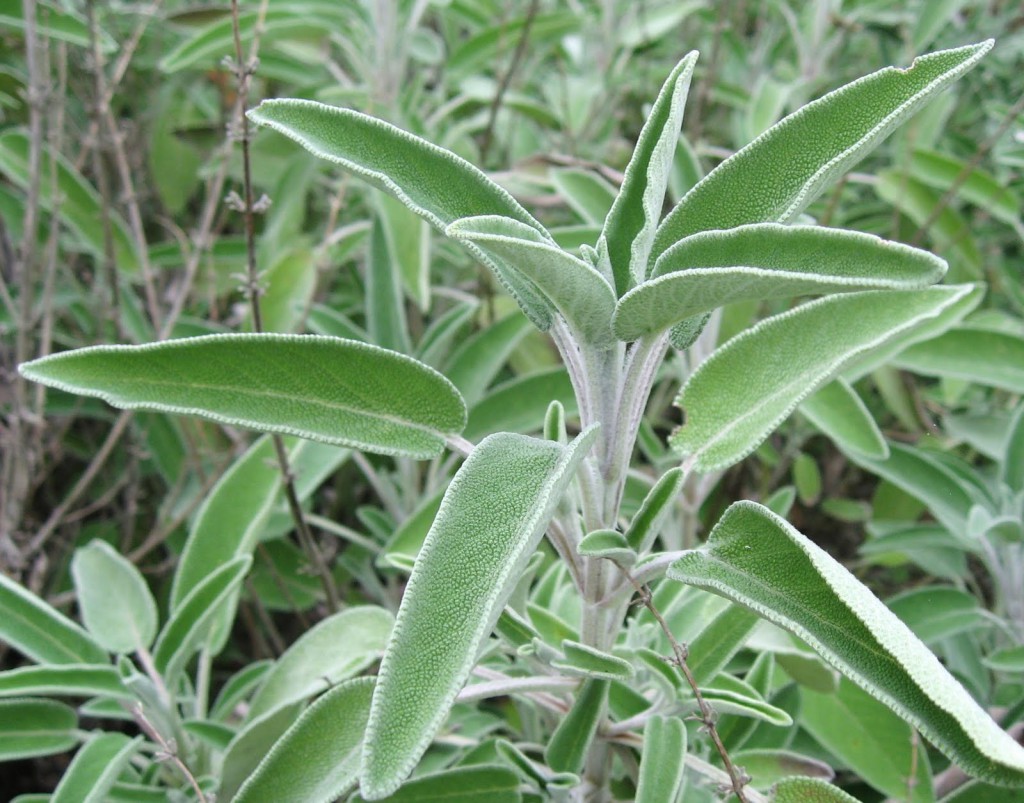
968	168
168	750
737	777
506	79
244	71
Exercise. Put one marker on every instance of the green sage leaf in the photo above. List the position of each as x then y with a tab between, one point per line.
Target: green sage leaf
191	623
839	412
809	790
631	224
762	261
757	559
581	294
485	783
335	391
490	521
746	388
777	175
662	760
317	758
42	633
333	651
67	680
30	728
433	182
567	748
113	598
989	358
95	768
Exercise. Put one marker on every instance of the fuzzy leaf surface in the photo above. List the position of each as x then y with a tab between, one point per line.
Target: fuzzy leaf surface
777	175
581	294
30	728
317	758
321	388
113	598
839	412
751	384
66	680
433	182
762	261
630	226
661	763
332	651
95	768
978	355
757	559
41	632
490	521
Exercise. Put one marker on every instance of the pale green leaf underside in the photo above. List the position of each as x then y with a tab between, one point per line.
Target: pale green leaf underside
777	175
230	518
630	226
95	768
489	523
333	651
69	680
431	181
978	355
317	759
662	761
577	291
762	261
183	634
751	384
757	559
42	633
322	388
839	412
113	598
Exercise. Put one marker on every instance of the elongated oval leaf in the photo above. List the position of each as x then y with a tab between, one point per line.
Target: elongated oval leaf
839	412
761	261
113	598
567	748
581	294
322	388
42	633
184	632
331	652
873	742
31	728
646	523
630	226
95	768
662	761
980	355
317	758
809	790
757	559
230	518
746	388
777	175
67	680
79	204
431	181
490	521
208	45
480	357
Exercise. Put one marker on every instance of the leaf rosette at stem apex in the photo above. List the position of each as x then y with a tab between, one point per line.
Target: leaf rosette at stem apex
322	388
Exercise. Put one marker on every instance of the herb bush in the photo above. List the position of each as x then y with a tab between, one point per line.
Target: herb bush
501	593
